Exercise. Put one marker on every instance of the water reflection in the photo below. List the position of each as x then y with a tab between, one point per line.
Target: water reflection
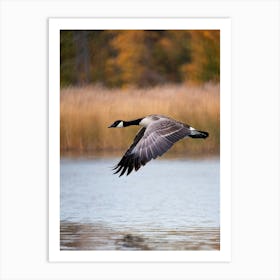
76	236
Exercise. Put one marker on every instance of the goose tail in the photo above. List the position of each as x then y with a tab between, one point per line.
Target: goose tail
199	134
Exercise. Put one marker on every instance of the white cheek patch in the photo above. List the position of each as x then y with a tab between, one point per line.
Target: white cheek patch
191	128
120	124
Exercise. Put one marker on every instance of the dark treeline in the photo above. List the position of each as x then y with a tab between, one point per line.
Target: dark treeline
118	58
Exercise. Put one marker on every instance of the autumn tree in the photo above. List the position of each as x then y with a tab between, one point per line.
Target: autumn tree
134	63
205	57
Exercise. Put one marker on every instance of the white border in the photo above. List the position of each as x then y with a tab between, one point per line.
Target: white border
55	25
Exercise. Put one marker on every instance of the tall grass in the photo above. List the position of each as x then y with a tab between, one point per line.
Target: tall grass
86	113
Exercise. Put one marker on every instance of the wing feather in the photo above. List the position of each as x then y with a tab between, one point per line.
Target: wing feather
130	161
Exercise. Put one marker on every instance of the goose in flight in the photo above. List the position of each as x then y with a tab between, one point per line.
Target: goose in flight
157	136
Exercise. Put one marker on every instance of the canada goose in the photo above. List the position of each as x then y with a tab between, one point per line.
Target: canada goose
157	136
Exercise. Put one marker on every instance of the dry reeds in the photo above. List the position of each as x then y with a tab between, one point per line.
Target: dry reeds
86	113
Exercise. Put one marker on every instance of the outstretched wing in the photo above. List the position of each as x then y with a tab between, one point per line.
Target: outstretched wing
150	143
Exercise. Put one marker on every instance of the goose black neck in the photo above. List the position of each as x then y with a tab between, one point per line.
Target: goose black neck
134	122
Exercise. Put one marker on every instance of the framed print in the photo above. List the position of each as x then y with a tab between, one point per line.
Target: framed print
64	214
107	78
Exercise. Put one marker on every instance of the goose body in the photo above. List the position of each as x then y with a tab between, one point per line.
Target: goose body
157	136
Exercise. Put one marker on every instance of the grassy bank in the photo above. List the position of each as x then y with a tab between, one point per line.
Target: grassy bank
86	112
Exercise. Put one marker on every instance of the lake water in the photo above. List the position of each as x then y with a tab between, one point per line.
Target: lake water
169	204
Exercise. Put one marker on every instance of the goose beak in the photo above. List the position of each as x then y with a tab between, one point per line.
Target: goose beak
112	125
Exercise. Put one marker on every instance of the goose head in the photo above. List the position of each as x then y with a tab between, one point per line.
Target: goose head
118	123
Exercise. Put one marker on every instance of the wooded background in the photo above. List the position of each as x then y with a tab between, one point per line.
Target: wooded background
142	58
